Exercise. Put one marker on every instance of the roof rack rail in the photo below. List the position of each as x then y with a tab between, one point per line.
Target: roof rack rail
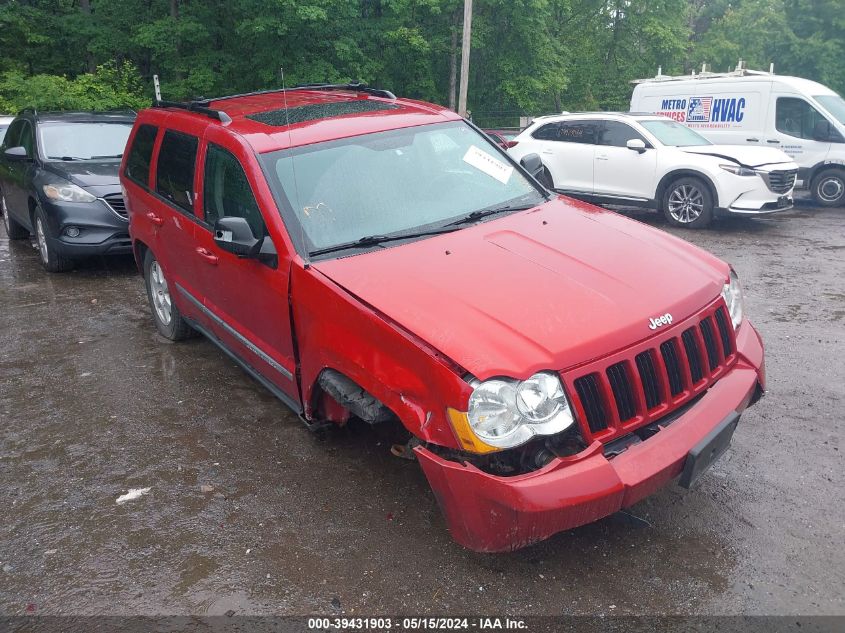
355	87
195	106
29	109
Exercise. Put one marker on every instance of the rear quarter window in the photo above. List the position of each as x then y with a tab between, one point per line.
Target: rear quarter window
140	155
175	169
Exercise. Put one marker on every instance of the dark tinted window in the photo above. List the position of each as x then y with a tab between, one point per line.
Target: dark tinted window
175	170
616	134
546	133
27	139
13	134
141	153
226	192
569	132
796	117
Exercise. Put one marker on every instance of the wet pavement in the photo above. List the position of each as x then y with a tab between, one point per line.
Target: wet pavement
248	512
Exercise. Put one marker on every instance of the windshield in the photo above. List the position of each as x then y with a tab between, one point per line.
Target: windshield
391	183
674	134
833	104
83	141
3	129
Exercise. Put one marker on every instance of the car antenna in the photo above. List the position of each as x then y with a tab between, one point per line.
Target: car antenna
292	157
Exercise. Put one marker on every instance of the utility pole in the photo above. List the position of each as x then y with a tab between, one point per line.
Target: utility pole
462	100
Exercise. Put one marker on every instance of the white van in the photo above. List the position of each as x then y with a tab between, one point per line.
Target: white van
803	118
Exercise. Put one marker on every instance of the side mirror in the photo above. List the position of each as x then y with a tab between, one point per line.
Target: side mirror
532	163
235	236
16	153
636	144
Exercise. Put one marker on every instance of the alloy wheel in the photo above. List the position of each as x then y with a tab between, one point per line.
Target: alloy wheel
686	203
41	238
5	214
160	294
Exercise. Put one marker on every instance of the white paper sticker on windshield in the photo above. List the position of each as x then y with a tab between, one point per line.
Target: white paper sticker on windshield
493	167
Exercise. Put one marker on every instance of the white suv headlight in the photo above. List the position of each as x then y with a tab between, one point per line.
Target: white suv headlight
739	170
67	192
505	413
732	294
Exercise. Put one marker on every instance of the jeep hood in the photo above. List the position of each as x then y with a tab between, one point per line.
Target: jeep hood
745	155
549	288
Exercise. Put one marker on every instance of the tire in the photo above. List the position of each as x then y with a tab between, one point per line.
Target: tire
828	188
51	259
168	320
688	203
13	230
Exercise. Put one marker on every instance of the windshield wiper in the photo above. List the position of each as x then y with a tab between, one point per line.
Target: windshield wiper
483	213
113	156
375	240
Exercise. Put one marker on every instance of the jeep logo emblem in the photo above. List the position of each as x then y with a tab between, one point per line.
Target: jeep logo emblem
660	321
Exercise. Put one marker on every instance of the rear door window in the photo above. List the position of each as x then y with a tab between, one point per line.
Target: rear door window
616	134
175	170
226	192
140	155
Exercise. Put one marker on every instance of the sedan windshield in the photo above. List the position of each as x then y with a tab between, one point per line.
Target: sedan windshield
674	134
83	141
375	189
833	104
3	129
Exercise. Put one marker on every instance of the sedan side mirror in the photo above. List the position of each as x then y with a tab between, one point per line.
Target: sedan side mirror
532	163
234	235
16	153
636	144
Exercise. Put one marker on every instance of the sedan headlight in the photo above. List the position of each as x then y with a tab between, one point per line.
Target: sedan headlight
732	294
739	170
67	192
505	413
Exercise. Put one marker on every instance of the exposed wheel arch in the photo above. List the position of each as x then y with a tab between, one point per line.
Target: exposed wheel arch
350	397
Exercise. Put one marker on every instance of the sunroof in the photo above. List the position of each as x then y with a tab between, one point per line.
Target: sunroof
316	111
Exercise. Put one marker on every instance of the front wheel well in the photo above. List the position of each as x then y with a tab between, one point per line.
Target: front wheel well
672	176
336	396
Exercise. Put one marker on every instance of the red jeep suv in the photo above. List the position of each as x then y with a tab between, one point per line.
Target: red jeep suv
363	255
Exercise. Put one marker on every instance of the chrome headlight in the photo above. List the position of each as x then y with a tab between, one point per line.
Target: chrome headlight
732	294
67	192
739	170
505	413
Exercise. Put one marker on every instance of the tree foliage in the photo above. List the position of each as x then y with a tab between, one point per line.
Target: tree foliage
528	56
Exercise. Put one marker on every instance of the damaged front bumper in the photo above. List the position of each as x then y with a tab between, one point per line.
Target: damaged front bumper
490	513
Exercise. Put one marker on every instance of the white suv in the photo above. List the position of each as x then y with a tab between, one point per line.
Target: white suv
652	161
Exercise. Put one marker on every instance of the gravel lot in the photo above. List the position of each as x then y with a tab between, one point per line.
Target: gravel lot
249	512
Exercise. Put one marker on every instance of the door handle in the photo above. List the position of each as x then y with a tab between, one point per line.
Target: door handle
207	255
753	140
772	140
548	151
601	158
152	217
